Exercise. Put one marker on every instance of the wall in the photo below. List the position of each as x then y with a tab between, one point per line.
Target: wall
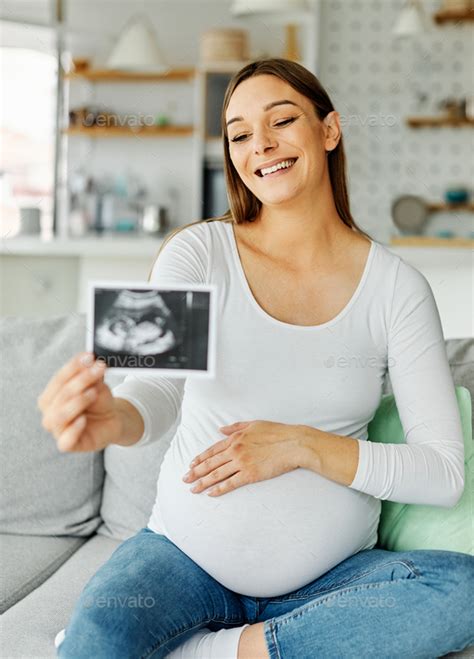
373	80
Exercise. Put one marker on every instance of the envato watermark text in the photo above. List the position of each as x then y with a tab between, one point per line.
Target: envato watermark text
371	602
357	361
116	601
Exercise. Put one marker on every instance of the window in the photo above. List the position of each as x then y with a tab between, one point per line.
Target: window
27	138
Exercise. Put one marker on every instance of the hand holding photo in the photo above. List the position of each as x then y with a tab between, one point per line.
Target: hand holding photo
137	327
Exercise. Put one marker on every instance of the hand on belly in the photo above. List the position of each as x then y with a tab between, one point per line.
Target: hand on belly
254	451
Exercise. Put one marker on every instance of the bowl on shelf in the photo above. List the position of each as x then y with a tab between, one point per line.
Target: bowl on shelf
409	214
456	195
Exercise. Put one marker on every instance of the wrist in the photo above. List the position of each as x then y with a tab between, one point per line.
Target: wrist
333	456
308	456
117	436
130	425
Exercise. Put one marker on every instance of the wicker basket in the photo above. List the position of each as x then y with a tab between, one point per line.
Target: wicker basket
223	45
457	5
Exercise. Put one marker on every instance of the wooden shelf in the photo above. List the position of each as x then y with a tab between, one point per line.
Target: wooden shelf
108	75
431	241
436	122
453	16
441	206
124	131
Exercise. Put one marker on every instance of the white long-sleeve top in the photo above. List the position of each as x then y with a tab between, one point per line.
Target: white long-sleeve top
272	537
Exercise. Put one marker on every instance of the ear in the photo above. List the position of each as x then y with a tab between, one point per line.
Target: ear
328	118
332	128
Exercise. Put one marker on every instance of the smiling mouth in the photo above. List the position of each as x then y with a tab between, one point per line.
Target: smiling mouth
258	172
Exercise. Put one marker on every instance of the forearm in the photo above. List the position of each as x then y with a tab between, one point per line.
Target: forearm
333	456
131	423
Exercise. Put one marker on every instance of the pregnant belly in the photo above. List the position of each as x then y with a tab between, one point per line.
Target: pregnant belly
267	538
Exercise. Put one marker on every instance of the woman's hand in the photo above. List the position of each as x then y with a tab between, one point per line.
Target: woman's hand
78	408
253	451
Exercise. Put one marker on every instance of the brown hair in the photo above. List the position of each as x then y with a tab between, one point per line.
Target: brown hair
244	205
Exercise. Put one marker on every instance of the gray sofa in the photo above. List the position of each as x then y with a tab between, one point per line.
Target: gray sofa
63	514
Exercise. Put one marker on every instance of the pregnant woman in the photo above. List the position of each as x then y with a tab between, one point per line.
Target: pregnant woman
261	542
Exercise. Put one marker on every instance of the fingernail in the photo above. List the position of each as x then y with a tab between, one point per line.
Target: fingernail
87	359
186	476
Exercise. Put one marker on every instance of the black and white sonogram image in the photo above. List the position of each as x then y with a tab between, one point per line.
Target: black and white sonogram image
145	327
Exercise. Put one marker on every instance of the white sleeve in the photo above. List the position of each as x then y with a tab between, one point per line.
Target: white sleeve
429	468
183	260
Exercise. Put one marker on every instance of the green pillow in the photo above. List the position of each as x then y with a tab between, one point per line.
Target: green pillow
402	526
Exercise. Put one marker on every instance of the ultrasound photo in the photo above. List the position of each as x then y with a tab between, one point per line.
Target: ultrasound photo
142	327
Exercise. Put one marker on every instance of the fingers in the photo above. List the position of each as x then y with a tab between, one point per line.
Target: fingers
62	376
70	435
216	476
206	466
87	377
58	418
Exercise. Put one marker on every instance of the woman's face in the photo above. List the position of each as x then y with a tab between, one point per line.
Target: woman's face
268	122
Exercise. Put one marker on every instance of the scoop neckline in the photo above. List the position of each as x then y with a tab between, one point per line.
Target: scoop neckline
281	323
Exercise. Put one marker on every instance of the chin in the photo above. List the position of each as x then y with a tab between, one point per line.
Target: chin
279	198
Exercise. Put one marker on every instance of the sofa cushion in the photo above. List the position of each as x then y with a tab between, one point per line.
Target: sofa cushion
130	486
28	628
28	560
403	527
461	361
43	492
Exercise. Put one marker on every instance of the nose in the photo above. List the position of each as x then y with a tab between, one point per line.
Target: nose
263	142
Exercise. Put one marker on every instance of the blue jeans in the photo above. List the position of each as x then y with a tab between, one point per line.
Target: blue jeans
150	597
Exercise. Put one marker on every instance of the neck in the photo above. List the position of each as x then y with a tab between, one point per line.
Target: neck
307	231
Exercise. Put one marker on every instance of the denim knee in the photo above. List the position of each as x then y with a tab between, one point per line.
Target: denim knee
107	626
453	574
459	570
452	566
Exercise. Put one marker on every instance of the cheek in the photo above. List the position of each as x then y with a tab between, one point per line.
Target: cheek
234	158
239	160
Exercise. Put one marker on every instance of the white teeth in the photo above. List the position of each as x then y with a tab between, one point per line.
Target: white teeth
281	165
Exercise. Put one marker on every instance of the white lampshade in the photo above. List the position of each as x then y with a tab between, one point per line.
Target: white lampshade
137	50
247	7
412	21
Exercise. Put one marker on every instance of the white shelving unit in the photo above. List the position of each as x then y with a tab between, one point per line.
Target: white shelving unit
90	87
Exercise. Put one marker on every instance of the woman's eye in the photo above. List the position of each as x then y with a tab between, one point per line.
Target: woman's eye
284	122
238	138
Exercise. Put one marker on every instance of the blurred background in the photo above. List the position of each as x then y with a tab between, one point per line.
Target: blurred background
110	131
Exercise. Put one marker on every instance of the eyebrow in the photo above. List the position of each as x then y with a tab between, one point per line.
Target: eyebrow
266	108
